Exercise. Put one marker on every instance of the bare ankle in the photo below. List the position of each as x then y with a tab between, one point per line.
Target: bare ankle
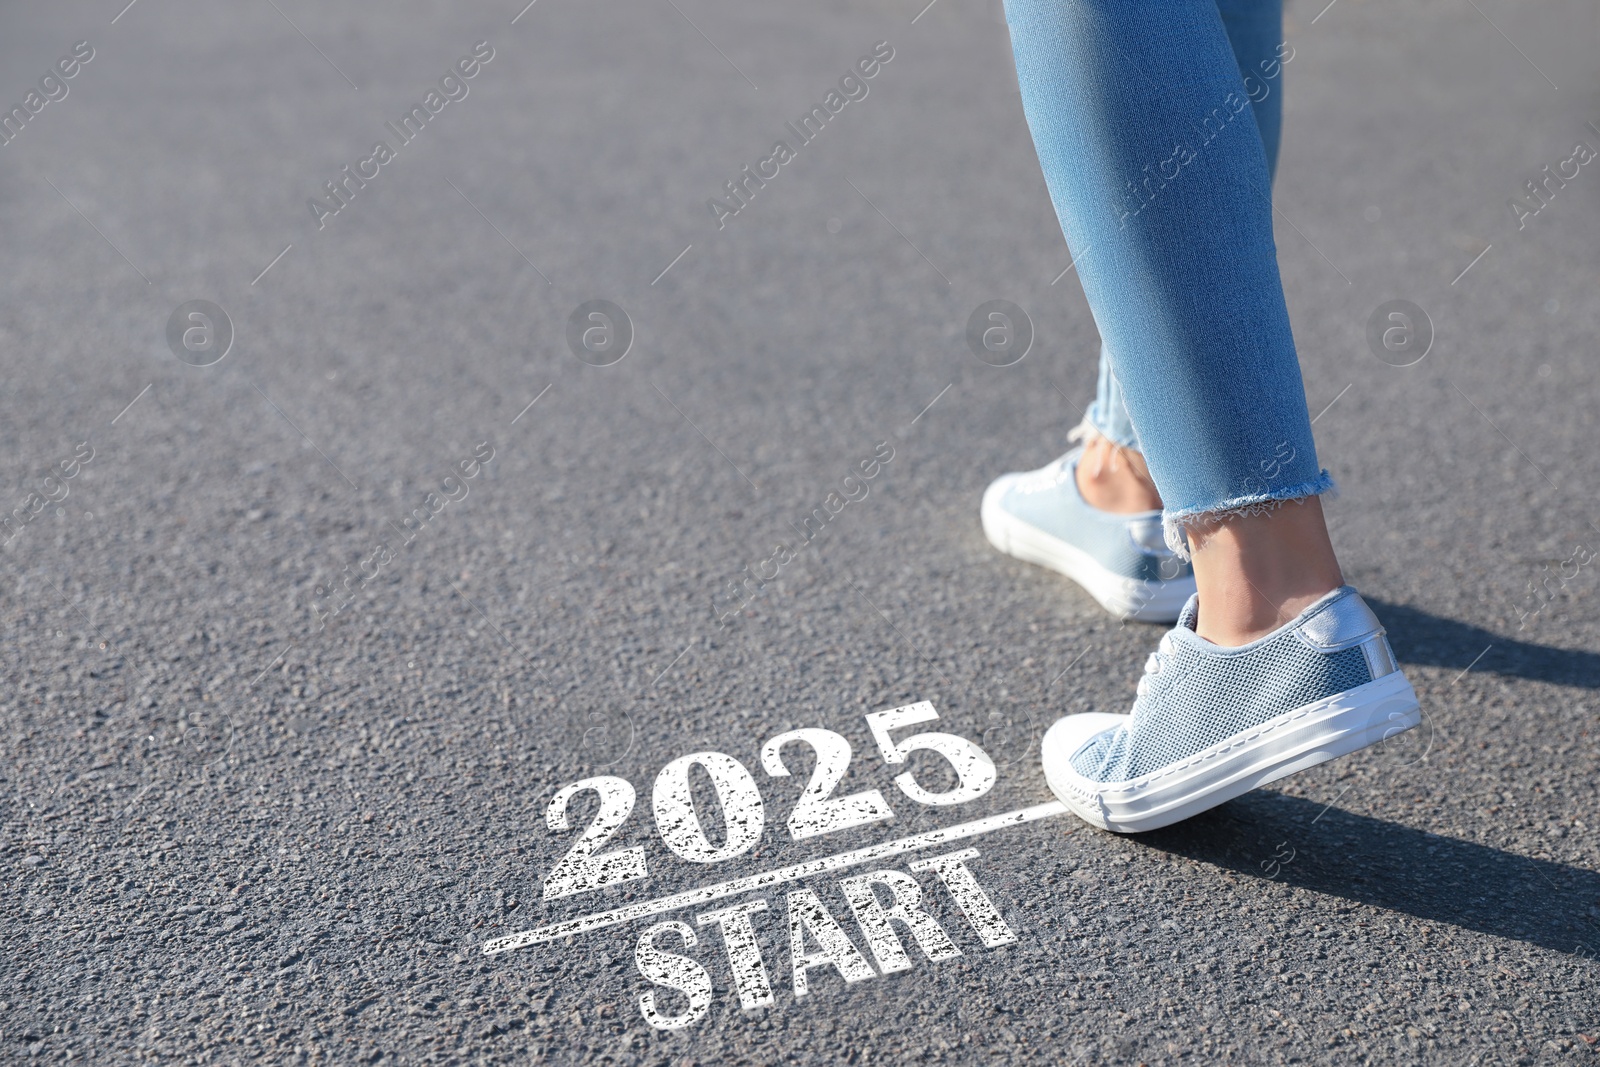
1115	479
1255	573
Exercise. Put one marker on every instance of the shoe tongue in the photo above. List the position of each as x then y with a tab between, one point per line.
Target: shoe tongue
1189	617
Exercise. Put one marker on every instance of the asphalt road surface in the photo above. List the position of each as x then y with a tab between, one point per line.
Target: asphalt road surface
306	632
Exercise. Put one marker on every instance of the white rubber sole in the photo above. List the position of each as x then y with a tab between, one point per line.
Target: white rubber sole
1126	598
1318	732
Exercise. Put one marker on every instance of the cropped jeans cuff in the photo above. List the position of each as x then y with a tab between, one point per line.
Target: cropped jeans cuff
1108	413
1112	423
1176	523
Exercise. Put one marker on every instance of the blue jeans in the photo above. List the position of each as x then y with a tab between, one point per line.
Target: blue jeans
1156	125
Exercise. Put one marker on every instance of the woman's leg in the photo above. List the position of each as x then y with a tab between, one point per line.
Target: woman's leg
1113	476
1163	185
1158	170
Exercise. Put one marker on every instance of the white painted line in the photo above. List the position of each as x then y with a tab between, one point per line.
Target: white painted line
524	11
792	873
124	11
1324	11
674	263
924	11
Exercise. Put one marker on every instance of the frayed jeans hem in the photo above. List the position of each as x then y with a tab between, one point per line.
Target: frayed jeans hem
1176	524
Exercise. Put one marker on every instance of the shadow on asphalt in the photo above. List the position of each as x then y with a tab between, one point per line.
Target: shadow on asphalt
1327	850
1436	641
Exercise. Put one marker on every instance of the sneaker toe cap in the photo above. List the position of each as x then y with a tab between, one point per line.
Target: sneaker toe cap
1061	741
1069	734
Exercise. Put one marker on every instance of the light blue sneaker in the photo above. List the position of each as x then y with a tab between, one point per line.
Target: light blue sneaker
1122	560
1211	723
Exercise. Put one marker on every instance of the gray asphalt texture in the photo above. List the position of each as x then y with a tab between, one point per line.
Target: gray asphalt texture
233	834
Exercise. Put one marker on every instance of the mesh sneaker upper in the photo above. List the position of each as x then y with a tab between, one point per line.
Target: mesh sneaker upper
1196	694
1127	545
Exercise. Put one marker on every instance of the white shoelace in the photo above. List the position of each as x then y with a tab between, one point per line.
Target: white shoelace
1154	662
